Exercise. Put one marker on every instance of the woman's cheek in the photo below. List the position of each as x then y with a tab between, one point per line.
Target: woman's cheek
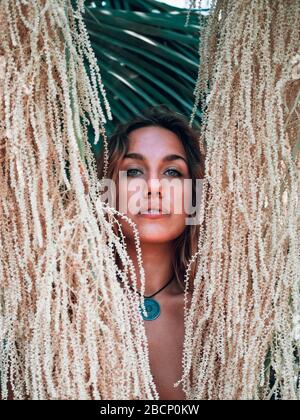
178	199
130	197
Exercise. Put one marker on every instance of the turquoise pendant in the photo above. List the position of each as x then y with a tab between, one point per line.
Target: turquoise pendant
152	308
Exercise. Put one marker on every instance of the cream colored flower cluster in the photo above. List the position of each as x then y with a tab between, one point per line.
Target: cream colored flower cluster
242	339
67	329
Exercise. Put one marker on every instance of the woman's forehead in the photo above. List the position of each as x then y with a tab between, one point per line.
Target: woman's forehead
155	142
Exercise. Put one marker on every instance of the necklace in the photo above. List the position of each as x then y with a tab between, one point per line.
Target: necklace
151	305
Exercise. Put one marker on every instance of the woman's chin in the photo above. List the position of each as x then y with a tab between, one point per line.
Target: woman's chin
154	234
154	230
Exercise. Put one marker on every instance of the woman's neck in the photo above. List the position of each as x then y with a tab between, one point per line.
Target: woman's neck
158	267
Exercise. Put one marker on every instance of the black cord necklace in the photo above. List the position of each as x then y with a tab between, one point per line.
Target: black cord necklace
151	305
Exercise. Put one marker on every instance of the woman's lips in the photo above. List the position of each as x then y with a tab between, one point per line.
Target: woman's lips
153	215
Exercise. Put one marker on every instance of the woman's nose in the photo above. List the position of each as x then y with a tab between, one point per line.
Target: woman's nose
153	187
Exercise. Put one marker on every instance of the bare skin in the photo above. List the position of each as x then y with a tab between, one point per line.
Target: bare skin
166	333
165	342
165	338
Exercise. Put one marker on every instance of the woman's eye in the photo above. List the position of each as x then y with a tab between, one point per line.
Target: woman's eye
132	172
174	171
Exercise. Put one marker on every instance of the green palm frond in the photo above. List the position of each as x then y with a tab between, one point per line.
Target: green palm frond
146	54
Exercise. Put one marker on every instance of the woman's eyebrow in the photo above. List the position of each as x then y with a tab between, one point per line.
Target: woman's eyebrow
167	158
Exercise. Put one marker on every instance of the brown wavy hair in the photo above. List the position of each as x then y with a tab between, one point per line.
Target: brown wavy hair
118	144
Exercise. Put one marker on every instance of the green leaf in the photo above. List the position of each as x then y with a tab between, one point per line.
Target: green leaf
146	55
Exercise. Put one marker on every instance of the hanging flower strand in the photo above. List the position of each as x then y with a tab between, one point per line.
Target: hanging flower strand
242	330
67	329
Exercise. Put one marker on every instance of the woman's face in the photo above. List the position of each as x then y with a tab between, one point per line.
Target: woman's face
155	167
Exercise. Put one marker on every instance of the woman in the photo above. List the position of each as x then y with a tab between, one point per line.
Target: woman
154	149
